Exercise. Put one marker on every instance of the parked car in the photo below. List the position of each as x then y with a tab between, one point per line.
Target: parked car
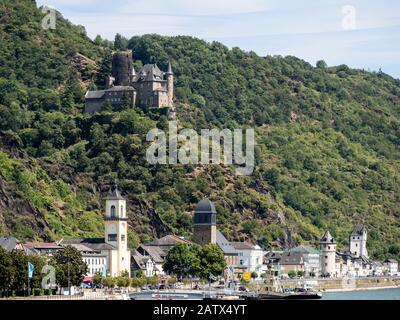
243	289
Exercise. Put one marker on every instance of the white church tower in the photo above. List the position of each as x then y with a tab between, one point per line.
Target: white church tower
116	233
358	241
327	246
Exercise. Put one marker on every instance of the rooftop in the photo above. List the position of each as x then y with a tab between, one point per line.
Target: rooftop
327	238
114	194
225	245
245	246
304	249
168	240
358	230
8	243
205	206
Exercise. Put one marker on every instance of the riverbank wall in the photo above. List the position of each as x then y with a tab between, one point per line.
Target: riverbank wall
345	284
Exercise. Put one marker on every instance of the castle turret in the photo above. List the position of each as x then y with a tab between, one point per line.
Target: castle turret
327	246
205	223
170	85
122	64
358	241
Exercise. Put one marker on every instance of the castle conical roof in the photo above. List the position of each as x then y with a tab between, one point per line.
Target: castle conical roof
169	68
327	238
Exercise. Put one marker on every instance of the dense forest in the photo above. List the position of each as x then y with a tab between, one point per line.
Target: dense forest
327	153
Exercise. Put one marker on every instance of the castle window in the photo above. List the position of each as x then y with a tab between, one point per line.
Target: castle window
122	210
112	211
122	237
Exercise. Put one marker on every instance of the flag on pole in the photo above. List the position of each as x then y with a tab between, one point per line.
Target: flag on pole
31	268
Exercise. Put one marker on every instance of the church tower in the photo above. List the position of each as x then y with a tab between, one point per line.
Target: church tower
116	232
170	85
327	246
358	241
205	222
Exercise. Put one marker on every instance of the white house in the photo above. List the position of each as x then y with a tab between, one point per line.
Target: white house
250	257
378	269
311	257
392	267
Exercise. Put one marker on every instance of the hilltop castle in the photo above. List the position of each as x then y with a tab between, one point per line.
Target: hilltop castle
151	87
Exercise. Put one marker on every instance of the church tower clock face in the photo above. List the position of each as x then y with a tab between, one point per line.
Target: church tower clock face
112	228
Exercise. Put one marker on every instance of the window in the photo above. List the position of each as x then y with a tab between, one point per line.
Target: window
356	244
329	247
113	212
122	210
112	237
122	237
326	257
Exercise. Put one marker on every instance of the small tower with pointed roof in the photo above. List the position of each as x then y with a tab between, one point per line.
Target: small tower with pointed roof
116	232
358	241
327	246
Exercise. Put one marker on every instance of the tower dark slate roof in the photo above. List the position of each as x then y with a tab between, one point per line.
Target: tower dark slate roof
169	68
205	212
327	238
115	194
358	230
205	205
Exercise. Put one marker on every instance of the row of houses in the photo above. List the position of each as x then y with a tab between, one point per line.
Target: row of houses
111	255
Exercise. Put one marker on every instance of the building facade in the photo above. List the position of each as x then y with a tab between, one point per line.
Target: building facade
250	257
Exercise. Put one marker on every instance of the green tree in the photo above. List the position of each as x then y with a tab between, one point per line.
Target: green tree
212	261
120	42
69	266
109	282
321	64
20	263
7	271
292	274
182	260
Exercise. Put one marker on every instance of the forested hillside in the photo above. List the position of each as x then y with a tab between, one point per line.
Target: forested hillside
327	149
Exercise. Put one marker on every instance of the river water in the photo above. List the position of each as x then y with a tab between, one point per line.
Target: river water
384	294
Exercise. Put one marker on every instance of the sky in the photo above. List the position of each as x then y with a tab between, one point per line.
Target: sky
363	34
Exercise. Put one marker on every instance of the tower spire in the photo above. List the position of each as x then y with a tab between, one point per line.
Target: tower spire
169	68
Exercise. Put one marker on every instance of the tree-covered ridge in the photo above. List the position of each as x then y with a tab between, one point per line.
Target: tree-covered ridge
327	142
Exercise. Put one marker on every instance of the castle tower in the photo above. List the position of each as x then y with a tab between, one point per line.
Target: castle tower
327	245
116	233
205	223
122	65
358	241
170	85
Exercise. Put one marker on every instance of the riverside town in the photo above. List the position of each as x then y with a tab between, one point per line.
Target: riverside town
202	159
